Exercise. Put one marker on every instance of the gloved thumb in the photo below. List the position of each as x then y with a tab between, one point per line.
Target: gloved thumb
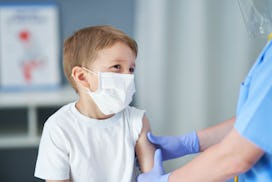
153	139
158	168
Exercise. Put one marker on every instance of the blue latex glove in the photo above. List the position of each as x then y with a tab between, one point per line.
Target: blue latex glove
175	146
157	173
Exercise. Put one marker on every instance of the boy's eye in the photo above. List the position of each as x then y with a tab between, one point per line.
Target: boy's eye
131	70
118	67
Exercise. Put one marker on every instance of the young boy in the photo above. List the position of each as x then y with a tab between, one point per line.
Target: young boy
96	137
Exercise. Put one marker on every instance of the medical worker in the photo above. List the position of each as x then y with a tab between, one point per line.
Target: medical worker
240	146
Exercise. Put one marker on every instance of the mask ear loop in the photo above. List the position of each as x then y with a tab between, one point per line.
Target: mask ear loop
90	71
97	74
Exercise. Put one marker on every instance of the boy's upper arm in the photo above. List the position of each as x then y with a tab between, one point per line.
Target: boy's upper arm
144	149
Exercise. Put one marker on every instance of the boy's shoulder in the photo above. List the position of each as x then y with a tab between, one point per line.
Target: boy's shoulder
135	120
61	115
133	109
132	112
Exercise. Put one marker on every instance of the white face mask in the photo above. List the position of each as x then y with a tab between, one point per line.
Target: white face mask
115	91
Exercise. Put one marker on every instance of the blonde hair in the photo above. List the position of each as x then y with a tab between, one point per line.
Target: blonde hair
82	47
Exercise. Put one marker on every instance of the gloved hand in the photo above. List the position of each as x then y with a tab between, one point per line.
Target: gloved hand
175	146
157	173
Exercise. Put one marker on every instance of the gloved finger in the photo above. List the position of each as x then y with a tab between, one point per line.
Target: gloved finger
140	178
158	168
153	139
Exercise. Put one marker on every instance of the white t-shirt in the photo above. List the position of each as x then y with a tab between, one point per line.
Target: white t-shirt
83	149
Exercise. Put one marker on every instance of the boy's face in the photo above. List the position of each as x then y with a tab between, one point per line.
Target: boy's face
118	58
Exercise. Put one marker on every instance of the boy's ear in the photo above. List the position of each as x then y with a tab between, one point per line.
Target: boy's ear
79	76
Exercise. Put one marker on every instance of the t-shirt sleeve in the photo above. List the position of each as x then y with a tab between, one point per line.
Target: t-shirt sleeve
53	159
136	122
254	121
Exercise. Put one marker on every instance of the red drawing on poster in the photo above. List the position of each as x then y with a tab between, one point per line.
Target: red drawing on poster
31	60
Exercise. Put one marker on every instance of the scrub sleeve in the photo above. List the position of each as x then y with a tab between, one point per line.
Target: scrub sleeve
254	111
254	114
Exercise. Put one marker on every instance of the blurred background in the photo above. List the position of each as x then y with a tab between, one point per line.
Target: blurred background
193	55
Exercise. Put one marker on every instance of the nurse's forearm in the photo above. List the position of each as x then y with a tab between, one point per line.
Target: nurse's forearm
213	135
232	156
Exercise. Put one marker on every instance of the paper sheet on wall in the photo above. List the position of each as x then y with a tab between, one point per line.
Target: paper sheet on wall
29	46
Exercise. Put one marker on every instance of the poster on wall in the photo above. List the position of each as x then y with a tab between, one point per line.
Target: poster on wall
29	47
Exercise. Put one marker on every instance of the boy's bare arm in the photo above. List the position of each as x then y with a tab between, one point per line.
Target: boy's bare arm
144	149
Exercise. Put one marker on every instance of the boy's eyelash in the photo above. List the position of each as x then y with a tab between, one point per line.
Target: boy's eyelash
117	66
131	70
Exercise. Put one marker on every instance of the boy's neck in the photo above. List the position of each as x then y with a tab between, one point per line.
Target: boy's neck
87	107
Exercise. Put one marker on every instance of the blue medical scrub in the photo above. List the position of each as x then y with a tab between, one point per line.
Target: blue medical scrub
254	115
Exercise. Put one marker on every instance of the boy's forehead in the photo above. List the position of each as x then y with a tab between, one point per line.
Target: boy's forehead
119	52
113	60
